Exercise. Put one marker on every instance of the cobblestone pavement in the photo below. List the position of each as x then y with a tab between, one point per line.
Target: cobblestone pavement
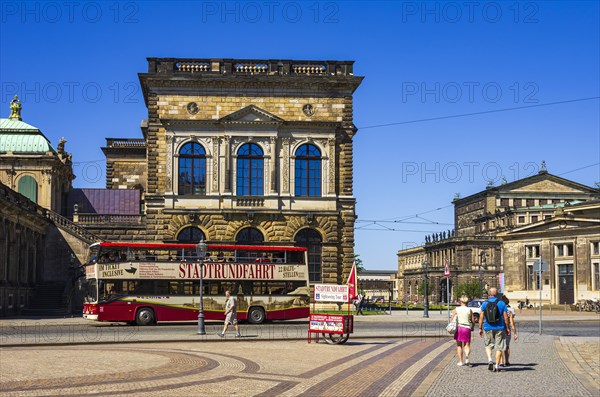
541	366
228	368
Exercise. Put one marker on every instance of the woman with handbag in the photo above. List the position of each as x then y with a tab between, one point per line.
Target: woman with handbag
465	323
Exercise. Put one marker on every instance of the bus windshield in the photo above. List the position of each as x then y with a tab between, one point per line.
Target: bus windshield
91	294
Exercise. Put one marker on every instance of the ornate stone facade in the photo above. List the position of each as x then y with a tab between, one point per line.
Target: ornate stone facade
219	106
495	228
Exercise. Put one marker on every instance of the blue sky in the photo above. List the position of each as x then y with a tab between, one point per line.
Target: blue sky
74	65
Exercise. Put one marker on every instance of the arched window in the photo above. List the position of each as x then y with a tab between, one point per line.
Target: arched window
249	236
190	235
250	170
308	171
28	187
192	169
311	239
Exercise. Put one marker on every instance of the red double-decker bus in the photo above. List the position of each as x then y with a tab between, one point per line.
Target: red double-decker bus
149	283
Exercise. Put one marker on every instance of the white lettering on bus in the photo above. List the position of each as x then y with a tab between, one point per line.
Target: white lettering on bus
228	271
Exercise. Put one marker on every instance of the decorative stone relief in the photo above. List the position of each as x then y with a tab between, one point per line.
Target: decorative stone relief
169	161
215	165
332	165
193	108
285	169
308	109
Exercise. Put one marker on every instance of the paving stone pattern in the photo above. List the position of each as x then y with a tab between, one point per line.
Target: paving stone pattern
285	368
536	370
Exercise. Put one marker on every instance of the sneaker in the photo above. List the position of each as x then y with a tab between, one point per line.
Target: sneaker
491	366
459	364
507	364
467	363
220	334
496	368
238	335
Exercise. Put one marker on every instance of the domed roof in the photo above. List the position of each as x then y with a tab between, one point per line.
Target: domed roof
19	137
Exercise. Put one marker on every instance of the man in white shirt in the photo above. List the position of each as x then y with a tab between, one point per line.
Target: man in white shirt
230	315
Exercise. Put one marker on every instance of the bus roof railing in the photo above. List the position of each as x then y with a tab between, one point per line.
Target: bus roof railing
212	247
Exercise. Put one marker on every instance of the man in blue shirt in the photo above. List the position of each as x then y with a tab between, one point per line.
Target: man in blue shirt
494	332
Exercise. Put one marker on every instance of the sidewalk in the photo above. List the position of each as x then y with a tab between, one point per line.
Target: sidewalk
435	316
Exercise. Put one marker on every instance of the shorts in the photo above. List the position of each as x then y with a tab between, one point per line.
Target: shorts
231	318
495	339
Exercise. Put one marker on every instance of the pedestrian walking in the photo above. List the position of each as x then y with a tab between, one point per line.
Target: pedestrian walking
510	311
230	315
466	322
359	302
493	323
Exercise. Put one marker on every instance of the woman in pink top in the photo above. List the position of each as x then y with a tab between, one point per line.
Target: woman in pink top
462	336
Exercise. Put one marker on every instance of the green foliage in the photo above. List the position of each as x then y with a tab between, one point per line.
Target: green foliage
421	289
470	289
359	264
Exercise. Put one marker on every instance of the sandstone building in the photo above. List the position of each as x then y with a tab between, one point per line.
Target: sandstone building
244	151
502	230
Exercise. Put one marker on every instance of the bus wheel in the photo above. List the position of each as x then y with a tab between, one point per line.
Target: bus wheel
144	316
256	315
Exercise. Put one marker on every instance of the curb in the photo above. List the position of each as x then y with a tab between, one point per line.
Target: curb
225	339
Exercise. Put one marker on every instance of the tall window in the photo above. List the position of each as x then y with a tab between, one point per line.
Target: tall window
28	188
250	170
192	169
596	276
533	279
533	251
308	171
311	239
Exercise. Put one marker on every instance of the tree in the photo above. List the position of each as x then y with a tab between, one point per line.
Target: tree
359	264
470	289
421	288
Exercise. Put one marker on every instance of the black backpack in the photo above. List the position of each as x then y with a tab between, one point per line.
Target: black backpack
492	314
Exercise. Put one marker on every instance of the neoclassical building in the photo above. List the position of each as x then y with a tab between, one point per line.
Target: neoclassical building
244	151
501	231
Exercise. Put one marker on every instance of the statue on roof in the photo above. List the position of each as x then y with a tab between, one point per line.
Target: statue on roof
543	168
61	145
15	109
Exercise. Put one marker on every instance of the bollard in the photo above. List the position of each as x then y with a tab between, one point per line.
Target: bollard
550	309
565	307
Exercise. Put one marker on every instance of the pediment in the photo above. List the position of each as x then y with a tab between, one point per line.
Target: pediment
557	224
547	186
251	114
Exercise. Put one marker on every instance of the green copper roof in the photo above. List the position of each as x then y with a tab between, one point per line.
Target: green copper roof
16	125
19	137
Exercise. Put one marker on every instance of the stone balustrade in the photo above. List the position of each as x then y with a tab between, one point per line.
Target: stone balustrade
106	219
270	67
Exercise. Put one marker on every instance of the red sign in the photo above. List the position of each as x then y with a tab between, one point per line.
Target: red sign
446	270
331	323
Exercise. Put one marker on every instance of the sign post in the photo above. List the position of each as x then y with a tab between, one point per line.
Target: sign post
447	275
540	266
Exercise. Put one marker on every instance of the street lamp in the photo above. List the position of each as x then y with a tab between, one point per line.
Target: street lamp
426	301
201	249
482	260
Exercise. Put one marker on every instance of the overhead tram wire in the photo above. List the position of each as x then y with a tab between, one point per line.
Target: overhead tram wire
370	222
453	116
